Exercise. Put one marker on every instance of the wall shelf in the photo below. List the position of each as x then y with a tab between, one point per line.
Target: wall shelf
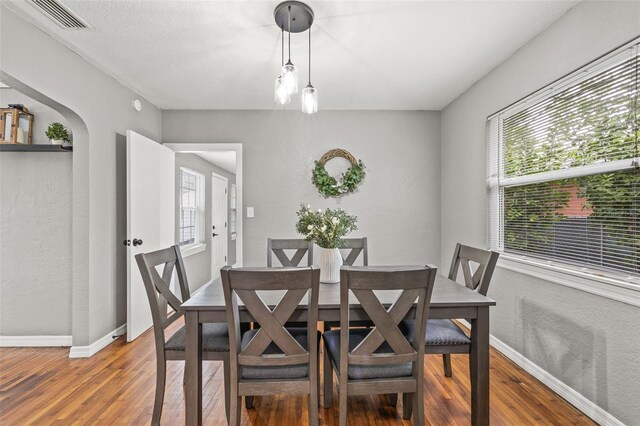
34	148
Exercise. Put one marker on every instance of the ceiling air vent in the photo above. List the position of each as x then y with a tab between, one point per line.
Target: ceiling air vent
60	14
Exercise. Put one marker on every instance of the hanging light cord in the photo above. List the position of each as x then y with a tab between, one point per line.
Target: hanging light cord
309	52
289	34
282	42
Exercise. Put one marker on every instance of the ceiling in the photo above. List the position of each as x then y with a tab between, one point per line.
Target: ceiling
366	54
223	159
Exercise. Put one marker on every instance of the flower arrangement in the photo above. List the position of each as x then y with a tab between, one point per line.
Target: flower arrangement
325	227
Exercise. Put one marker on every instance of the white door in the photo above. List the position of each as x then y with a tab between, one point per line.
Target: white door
218	224
151	177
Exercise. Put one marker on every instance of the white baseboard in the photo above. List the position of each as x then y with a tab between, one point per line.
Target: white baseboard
575	398
95	347
34	341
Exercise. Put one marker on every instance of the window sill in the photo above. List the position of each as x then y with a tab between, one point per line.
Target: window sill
604	285
192	249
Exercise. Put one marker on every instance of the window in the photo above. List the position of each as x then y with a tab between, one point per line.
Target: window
564	171
191	229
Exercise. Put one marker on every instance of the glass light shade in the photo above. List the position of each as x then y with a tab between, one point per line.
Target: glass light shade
309	99
290	77
282	96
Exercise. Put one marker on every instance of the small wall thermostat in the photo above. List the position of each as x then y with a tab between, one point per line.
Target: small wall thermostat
136	104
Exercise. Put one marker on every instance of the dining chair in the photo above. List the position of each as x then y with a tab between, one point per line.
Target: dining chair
277	247
272	359
215	339
353	247
443	335
384	359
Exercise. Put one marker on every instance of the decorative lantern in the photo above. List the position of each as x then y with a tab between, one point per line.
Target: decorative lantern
16	125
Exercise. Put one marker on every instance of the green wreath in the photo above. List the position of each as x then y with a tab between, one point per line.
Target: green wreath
329	186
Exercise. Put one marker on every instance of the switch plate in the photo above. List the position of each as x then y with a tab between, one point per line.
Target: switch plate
249	211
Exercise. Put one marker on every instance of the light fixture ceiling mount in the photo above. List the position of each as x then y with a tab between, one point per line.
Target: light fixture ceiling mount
301	16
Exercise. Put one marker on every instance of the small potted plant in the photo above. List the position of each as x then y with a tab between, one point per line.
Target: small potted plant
57	134
326	228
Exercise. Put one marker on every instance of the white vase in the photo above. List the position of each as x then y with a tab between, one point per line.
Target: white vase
56	141
330	261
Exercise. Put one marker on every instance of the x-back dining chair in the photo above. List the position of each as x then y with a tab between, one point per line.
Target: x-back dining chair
277	247
215	339
384	359
443	335
272	359
355	247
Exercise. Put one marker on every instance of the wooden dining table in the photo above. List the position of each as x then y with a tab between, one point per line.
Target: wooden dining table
449	300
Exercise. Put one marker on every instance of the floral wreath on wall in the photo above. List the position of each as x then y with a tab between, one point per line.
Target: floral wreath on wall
329	186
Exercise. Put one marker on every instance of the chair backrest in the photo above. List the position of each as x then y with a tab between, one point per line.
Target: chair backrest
159	287
244	284
355	247
479	279
278	247
411	282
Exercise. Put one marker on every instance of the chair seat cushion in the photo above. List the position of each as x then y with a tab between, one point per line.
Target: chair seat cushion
299	371
215	338
361	372
442	332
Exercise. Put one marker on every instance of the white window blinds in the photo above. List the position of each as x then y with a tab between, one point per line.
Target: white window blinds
564	170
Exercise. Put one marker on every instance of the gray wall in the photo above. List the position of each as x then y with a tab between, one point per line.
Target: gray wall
35	207
589	342
35	243
98	109
198	265
43	115
401	150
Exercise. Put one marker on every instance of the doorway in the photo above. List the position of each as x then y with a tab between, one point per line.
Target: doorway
228	158
219	223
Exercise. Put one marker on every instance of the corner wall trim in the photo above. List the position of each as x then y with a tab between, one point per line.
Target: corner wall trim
98	345
575	398
34	341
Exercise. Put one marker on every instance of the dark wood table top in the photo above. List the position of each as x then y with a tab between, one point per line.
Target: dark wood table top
446	294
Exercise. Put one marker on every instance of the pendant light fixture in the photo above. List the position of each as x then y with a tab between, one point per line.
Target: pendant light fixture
309	93
289	71
281	93
294	17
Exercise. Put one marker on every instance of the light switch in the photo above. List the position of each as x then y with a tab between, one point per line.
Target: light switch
249	211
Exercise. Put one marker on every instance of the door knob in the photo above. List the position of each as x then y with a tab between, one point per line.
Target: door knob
214	234
136	242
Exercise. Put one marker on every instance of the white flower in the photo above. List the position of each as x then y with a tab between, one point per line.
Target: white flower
310	227
308	206
324	228
319	210
335	220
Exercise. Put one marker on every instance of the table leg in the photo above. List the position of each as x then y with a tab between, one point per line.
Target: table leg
479	368
328	373
193	367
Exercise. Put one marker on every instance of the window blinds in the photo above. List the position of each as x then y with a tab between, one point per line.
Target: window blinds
563	170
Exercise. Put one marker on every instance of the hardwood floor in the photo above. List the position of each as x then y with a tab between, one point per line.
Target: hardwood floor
43	386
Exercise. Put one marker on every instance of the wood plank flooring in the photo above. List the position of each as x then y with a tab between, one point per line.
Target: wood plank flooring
42	386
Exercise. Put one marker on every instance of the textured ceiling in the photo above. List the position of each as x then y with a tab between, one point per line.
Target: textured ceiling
366	55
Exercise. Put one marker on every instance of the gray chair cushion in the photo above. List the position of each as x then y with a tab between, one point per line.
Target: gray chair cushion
442	332
299	371
215	338
360	372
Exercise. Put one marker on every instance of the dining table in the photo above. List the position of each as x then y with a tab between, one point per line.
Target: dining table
449	300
